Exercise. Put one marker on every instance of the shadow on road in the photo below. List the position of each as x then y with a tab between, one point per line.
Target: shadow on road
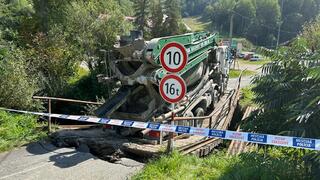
61	157
69	159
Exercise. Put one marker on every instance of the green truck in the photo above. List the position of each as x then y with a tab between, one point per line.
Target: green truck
135	65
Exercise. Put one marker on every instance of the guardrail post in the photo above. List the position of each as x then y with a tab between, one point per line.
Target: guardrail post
170	140
49	119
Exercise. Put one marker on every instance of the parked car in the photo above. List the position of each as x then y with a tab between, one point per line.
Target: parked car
248	56
241	55
255	58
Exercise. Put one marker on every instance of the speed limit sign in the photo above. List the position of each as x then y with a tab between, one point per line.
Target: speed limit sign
173	57
172	88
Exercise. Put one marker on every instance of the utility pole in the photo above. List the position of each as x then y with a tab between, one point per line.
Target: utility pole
230	36
231	22
279	28
231	28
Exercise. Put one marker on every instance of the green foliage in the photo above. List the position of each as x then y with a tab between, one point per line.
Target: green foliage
80	73
16	88
295	14
221	14
13	14
275	164
244	8
48	13
151	20
267	16
16	130
247	97
194	7
311	34
126	7
92	26
173	24
141	13
156	18
52	63
88	88
54	37
288	91
286	88
259	21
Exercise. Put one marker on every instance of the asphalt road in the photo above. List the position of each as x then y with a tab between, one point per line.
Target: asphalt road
245	80
44	161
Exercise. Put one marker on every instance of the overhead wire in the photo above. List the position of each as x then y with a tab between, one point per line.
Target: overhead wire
261	24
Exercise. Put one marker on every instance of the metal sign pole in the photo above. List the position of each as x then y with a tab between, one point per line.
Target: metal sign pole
170	140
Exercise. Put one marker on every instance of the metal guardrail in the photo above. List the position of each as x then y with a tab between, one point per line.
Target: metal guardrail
66	100
214	112
49	99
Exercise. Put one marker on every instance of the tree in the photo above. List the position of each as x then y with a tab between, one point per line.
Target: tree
263	30
221	16
52	62
295	13
288	91
126	7
194	7
173	24
49	13
245	12
141	8
156	19
92	26
13	15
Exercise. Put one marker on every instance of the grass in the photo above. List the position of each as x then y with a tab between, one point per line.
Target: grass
234	73
247	97
253	165
261	62
17	130
196	24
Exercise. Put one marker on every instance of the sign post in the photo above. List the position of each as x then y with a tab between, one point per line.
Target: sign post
172	88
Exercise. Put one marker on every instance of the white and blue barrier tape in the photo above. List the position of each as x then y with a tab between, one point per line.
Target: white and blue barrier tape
285	141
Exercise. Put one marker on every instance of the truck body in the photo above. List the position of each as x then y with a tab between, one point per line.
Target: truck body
135	64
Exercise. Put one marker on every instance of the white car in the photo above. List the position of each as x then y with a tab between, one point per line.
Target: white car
255	58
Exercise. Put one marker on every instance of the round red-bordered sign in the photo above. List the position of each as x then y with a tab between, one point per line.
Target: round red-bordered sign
173	57
172	88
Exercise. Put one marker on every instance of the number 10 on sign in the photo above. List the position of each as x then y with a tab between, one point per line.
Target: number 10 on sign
172	88
173	57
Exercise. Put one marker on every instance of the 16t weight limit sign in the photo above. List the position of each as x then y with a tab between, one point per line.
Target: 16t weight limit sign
173	57
172	88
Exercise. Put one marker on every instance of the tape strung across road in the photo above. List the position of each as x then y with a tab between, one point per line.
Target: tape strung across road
285	141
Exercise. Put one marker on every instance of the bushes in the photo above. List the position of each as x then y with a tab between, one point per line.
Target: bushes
16	88
15	130
52	62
